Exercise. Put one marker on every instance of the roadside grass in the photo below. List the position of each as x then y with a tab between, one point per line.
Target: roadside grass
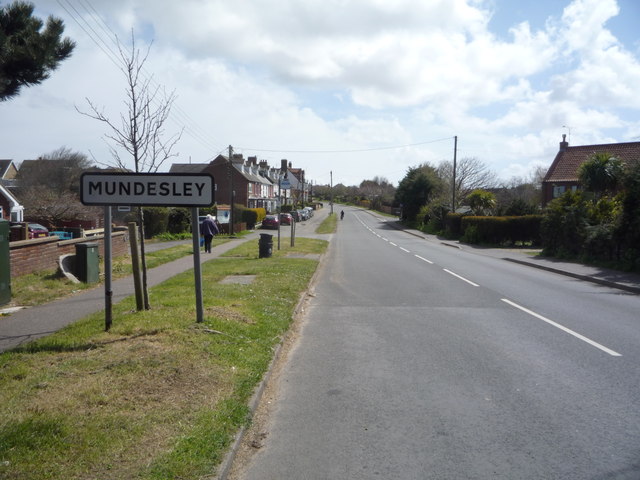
159	396
329	224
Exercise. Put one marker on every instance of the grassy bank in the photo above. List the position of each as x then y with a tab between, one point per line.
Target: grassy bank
159	396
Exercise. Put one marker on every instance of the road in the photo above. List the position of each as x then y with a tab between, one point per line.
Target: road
422	361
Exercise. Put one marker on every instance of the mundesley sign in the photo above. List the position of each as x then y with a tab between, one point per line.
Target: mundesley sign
161	189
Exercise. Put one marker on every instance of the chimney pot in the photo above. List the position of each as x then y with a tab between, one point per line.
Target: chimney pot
564	144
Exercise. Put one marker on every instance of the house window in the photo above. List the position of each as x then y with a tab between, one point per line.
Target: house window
250	186
558	190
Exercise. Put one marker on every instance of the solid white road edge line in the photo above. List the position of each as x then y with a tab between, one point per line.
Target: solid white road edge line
461	278
564	329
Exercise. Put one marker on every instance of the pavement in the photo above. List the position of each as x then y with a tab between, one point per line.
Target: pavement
24	325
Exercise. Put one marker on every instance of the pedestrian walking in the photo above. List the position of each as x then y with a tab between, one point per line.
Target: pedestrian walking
208	229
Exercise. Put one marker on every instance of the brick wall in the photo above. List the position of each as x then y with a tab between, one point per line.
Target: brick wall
30	256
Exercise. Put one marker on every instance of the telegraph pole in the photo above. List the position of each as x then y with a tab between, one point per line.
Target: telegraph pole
453	189
331	190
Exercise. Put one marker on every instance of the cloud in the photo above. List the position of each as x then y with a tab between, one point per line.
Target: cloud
347	75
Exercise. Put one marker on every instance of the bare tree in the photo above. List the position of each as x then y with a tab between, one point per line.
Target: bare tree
49	186
140	131
471	174
53	207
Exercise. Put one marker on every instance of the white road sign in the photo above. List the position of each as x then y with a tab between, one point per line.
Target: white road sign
285	184
161	189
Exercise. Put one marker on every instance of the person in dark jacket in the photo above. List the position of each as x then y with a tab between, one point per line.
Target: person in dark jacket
208	229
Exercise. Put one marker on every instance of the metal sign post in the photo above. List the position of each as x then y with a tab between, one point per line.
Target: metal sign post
108	293
197	270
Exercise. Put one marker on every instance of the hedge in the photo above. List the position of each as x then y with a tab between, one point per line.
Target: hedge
501	230
453	225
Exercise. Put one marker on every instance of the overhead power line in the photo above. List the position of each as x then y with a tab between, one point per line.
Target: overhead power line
96	28
355	150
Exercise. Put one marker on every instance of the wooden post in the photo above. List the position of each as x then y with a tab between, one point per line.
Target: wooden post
135	262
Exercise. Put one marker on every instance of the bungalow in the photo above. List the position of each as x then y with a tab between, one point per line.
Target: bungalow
562	175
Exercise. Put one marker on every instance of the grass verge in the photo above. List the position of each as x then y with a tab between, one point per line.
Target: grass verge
329	224
159	396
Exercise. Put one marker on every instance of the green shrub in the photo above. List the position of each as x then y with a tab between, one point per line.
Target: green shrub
249	216
179	220
453	225
260	213
563	227
156	220
471	235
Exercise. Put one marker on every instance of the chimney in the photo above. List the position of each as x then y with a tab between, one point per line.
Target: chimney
264	165
564	144
283	165
253	161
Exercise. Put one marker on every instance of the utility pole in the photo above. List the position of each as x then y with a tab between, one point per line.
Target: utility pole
331	190
453	189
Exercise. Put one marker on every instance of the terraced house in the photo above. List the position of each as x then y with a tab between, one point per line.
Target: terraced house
254	183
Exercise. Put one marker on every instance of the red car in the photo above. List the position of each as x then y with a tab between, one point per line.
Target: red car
286	219
36	230
270	221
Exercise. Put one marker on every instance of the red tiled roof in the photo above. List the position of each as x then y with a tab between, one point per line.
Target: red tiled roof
565	166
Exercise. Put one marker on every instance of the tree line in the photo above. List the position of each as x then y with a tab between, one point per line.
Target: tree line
426	193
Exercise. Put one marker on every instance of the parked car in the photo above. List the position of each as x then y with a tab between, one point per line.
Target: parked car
286	219
270	221
303	214
295	215
309	211
35	230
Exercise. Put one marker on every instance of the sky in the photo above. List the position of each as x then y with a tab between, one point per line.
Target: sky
347	90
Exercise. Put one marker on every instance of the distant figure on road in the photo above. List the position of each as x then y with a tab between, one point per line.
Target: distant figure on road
208	229
341	214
